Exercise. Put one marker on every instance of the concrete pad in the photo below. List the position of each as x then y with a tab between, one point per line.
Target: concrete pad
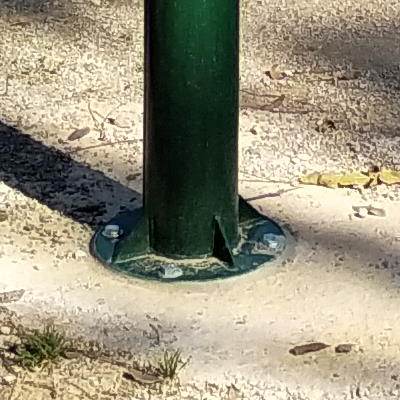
341	285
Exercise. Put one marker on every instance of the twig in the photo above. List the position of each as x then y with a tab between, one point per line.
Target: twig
97	113
270	195
100	126
12	390
157	333
275	104
112	121
132	372
78	149
7	364
93	117
257	94
53	393
108	114
6	86
315	72
42	386
273	109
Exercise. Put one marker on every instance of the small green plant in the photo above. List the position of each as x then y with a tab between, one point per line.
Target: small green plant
41	347
170	364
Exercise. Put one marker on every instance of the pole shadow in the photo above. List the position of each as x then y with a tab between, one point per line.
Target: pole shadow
56	180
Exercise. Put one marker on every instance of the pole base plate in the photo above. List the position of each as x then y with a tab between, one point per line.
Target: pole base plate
261	241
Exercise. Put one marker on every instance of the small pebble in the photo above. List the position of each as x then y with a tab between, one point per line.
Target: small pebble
9	379
171	272
80	254
304	157
5	330
362	212
3	216
344	348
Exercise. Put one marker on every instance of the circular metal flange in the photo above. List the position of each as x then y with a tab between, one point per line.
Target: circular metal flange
261	241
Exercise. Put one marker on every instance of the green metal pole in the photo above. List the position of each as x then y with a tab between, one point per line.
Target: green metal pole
191	114
193	225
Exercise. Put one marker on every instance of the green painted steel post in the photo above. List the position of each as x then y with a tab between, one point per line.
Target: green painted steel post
191	123
193	225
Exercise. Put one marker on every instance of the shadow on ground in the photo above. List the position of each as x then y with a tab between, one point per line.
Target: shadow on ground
54	179
88	196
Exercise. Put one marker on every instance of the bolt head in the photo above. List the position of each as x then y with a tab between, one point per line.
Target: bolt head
112	231
273	242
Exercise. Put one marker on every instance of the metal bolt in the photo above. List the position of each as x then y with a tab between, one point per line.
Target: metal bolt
170	271
112	231
273	242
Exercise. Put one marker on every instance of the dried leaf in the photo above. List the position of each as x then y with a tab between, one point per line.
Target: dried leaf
310	179
377	212
389	176
22	21
372	178
132	177
325	124
349	75
307	348
276	72
141	377
69	355
354	179
78	134
274	104
12	296
330	180
312	47
344	348
278	101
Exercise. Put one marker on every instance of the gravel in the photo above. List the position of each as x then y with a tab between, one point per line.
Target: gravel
67	66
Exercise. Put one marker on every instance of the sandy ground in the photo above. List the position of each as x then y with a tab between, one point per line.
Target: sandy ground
66	65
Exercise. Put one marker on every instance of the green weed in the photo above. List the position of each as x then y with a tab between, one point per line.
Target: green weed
40	348
170	364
